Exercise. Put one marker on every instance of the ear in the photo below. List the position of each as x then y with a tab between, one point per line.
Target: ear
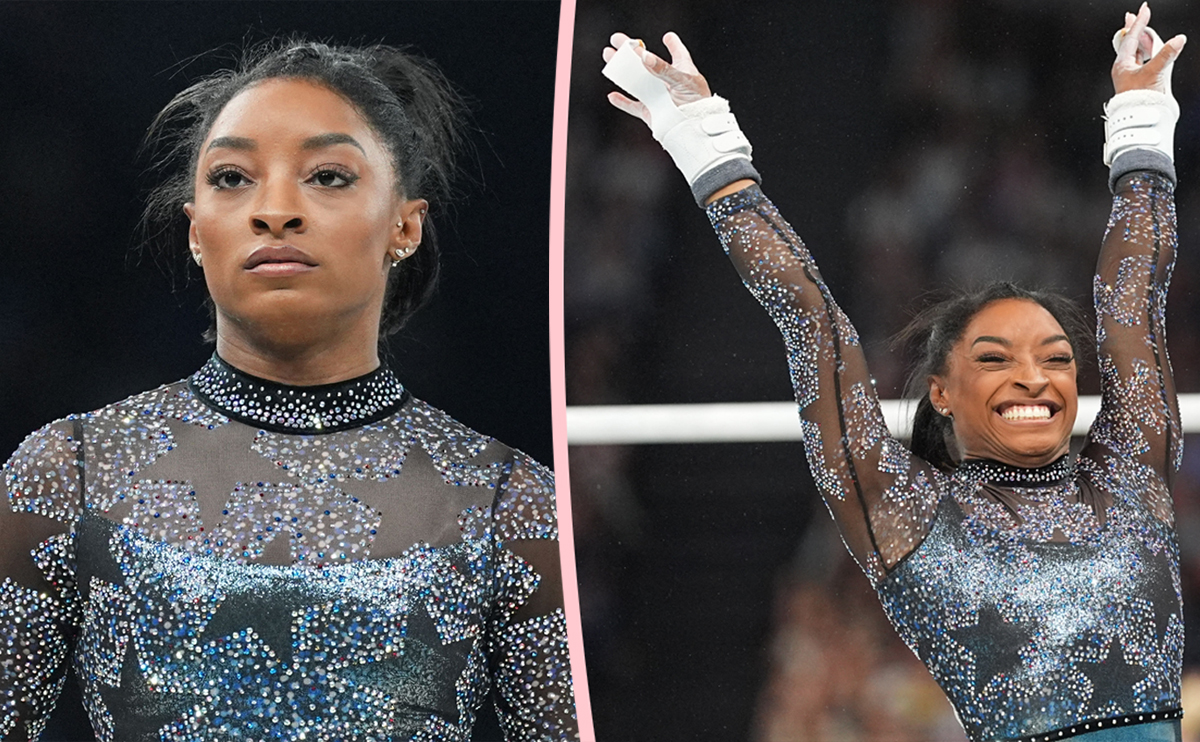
193	239
938	395
406	235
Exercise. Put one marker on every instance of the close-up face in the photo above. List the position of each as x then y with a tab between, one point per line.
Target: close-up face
296	214
1010	385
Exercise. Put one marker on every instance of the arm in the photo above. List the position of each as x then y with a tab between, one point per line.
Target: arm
881	497
39	503
1139	416
527	643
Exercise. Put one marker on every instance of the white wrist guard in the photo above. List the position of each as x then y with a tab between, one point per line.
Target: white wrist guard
1139	119
699	136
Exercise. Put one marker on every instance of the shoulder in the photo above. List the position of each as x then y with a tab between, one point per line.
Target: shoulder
43	475
174	400
59	447
445	436
524	504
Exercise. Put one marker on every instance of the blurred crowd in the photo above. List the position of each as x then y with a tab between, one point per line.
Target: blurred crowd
971	133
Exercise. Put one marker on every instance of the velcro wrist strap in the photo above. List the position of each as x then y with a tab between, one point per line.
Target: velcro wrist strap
1139	119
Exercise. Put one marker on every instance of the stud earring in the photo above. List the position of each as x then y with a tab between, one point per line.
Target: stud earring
197	257
400	255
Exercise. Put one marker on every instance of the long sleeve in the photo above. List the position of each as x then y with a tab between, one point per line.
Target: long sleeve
882	498
527	644
38	598
1139	416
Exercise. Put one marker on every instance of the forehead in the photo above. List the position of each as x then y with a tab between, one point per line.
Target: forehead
1015	320
287	110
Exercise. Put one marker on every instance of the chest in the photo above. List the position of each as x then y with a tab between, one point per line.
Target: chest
170	638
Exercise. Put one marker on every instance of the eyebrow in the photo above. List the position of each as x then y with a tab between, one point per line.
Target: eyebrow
232	143
1008	343
330	139
314	142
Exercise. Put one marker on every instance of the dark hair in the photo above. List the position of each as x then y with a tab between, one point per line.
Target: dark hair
934	331
408	102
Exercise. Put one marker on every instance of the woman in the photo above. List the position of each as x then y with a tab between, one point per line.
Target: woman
1041	591
287	544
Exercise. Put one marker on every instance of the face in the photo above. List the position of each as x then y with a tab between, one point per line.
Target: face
1010	385
297	218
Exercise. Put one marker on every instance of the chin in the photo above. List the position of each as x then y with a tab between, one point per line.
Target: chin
1034	456
286	321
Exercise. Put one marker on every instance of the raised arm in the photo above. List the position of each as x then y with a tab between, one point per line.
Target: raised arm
39	504
529	660
1139	418
882	498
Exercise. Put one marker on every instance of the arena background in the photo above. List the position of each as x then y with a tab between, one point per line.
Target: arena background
84	323
913	144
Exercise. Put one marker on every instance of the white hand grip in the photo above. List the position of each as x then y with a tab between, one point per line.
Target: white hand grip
628	72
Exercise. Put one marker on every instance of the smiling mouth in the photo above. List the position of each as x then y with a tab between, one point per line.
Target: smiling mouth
1027	412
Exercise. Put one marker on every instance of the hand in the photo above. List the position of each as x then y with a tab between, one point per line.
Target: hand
683	81
1128	71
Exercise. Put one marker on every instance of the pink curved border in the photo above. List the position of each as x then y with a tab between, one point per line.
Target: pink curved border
558	389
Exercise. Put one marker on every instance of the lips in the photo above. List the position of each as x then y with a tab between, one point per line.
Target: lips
268	254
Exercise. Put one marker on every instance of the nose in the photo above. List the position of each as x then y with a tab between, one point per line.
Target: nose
1031	377
278	211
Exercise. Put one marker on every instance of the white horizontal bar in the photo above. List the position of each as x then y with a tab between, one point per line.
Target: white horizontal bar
731	422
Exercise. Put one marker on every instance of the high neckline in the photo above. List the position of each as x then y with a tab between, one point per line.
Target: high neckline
303	410
1007	475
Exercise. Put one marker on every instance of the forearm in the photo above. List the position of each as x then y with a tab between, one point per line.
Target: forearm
881	497
1139	417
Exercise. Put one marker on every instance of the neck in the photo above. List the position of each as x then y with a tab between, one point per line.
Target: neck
337	358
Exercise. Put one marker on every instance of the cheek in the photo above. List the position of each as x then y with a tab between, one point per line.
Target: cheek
978	389
214	227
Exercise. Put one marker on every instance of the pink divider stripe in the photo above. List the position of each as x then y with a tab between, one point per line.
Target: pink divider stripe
558	389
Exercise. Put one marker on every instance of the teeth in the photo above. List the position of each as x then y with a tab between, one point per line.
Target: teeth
1027	412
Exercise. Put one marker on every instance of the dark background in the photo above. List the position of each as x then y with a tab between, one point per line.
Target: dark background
913	144
83	322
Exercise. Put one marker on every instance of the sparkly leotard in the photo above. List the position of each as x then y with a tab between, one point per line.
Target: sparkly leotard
230	559
1046	602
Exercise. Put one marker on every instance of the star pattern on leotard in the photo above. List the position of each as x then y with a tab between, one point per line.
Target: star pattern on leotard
217	665
994	643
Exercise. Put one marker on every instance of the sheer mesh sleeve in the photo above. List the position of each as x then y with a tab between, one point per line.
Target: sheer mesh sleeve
38	614
882	498
528	636
1139	415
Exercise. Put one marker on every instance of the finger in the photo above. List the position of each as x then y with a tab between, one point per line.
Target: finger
608	54
678	79
1127	49
629	106
618	39
680	56
1166	56
1139	24
656	64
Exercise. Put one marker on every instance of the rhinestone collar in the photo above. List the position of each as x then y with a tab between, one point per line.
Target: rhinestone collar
1006	475
325	408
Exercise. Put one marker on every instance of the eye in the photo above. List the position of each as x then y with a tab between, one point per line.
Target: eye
1061	360
226	178
991	358
332	177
